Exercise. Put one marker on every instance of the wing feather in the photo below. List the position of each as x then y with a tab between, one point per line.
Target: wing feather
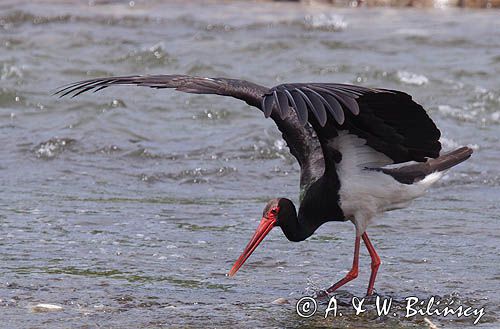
332	104
389	120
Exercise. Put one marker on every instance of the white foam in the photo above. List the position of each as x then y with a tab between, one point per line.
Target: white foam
326	21
412	78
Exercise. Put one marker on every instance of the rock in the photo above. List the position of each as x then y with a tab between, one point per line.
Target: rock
40	308
280	301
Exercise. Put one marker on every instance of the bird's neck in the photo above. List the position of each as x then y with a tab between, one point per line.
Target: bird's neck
296	228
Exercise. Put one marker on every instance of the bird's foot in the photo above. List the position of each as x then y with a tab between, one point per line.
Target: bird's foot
371	292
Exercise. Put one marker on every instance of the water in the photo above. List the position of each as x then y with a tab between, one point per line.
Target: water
128	207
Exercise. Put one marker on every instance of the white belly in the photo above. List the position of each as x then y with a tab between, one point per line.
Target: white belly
364	193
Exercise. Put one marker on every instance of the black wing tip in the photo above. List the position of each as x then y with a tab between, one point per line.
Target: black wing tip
95	84
76	88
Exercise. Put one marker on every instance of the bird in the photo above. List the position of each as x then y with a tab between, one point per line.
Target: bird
362	151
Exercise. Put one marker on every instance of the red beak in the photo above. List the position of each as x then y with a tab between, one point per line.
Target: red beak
265	226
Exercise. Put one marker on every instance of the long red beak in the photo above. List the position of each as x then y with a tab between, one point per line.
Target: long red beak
265	226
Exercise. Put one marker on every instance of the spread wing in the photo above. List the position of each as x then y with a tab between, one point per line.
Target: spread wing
390	121
301	139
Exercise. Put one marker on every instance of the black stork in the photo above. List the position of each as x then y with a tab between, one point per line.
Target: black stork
362	151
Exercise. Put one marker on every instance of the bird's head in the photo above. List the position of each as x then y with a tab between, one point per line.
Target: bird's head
278	212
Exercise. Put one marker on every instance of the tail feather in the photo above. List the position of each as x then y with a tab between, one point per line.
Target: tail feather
416	172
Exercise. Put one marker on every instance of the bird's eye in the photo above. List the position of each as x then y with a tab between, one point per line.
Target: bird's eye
274	211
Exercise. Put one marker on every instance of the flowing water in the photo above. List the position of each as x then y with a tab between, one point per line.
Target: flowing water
128	207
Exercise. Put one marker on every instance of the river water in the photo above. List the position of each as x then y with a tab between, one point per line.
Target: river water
128	207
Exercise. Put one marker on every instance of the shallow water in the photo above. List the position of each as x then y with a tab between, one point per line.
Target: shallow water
128	207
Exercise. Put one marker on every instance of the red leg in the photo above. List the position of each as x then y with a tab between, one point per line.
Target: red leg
353	273
375	262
